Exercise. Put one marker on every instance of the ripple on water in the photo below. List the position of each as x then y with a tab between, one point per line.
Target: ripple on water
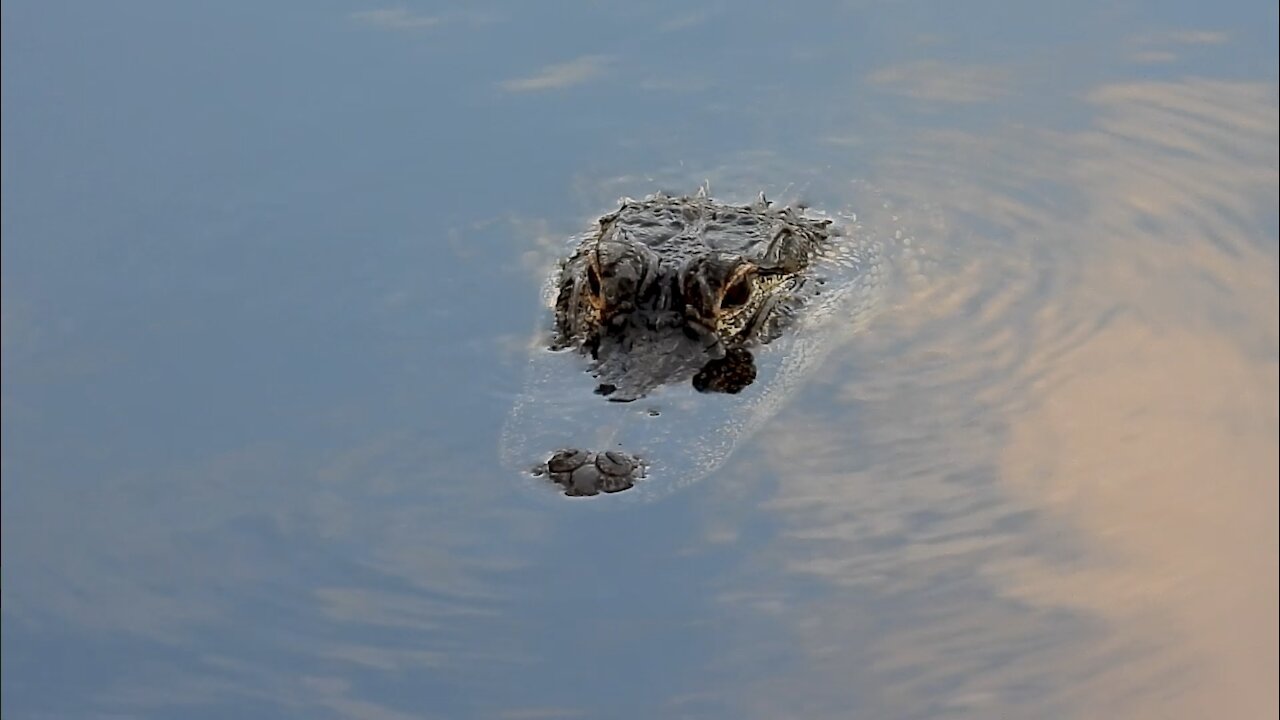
1035	488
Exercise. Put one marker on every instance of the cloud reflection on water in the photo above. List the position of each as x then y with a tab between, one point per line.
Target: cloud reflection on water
938	81
1050	488
560	75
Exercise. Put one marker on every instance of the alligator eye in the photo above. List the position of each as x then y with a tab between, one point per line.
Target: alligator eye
593	280
736	295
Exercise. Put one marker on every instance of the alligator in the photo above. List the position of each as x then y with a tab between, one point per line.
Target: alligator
674	290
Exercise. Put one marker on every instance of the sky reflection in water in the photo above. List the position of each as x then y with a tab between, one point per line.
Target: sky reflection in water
268	282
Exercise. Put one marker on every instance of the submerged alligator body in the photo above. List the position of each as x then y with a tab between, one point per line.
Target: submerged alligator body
683	291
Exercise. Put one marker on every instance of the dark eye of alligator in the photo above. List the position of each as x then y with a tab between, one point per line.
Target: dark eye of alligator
736	295
593	281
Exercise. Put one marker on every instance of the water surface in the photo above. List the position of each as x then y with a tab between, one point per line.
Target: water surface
271	275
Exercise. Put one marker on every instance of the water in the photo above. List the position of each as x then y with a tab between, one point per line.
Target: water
270	275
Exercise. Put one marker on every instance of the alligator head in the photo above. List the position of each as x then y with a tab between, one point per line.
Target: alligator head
670	289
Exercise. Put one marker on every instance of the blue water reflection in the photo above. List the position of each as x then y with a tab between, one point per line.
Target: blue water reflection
270	274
